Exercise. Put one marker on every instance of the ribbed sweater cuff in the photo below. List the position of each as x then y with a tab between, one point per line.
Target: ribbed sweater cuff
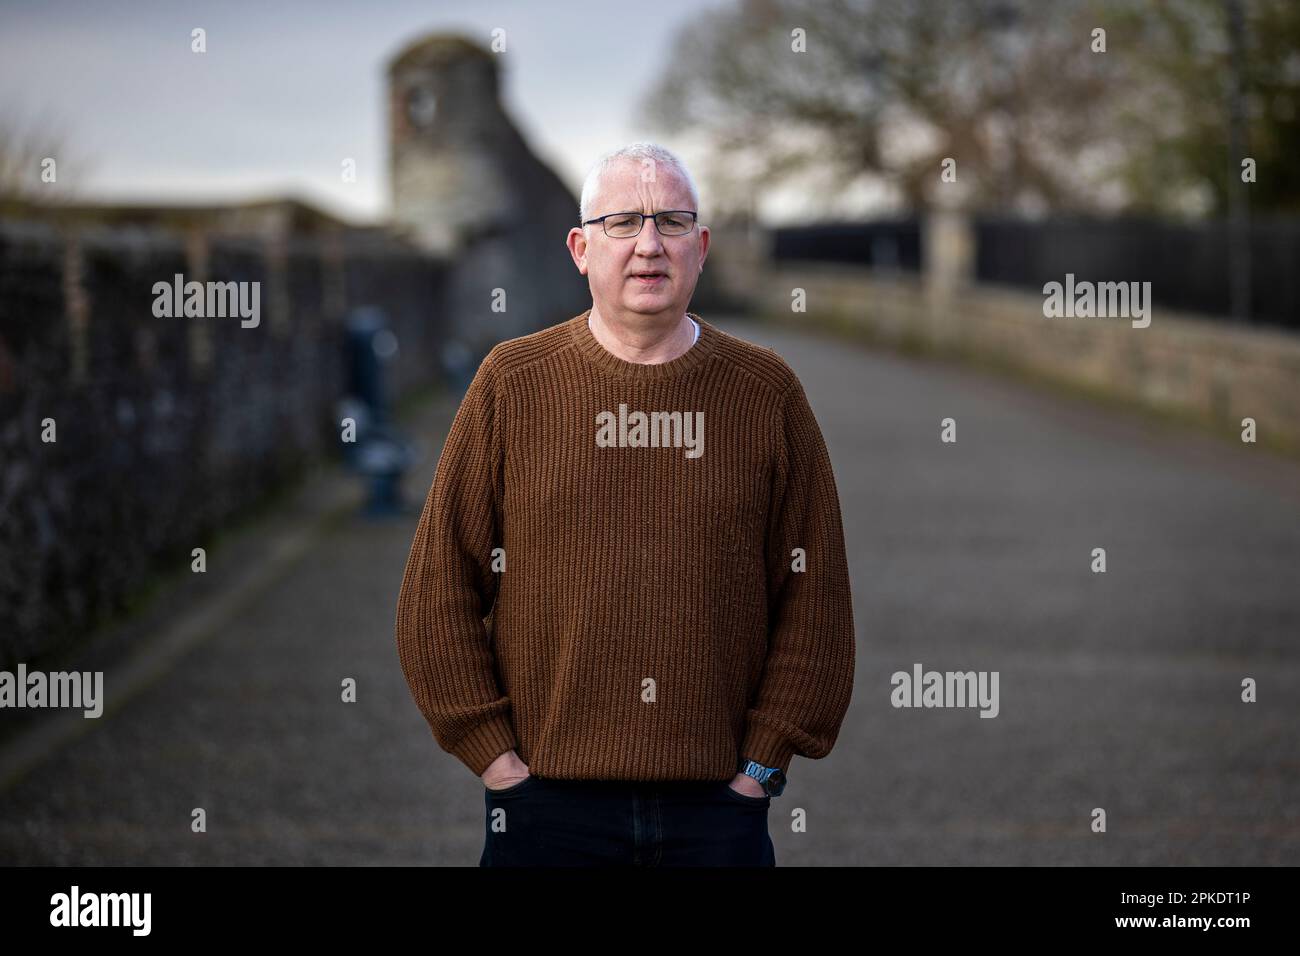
767	747
485	743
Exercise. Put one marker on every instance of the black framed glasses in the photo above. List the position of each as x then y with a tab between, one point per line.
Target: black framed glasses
625	225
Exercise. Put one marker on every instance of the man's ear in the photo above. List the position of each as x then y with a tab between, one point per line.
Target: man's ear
704	245
577	243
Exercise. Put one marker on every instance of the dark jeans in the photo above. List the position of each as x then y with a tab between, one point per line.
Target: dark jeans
542	821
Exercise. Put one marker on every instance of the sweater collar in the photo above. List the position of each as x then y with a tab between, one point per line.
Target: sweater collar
598	355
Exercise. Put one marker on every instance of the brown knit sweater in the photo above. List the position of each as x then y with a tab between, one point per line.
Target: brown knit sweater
647	616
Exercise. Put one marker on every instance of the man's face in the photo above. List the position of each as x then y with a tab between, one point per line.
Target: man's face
613	266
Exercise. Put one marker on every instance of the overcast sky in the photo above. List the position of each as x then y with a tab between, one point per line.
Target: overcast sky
287	88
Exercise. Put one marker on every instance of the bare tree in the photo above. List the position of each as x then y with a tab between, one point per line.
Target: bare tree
26	178
1208	90
1009	90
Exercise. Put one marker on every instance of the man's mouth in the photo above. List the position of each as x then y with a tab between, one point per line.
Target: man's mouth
649	278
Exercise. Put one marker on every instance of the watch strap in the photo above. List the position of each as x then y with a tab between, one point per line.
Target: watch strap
764	775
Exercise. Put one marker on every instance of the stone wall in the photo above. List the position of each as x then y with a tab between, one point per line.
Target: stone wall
167	428
1197	368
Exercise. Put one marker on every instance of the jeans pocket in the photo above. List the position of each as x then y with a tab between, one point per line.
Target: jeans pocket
744	798
514	787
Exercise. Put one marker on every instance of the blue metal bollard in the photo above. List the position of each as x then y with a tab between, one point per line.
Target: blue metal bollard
381	452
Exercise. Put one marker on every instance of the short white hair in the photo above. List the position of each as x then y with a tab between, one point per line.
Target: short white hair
637	152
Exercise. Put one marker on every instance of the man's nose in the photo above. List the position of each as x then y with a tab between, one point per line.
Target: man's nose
649	242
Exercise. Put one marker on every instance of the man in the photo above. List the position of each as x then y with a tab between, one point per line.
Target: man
626	606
